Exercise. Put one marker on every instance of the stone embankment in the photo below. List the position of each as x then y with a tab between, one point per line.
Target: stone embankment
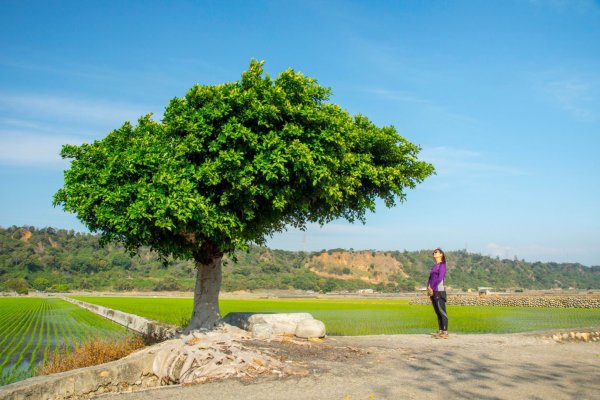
573	336
564	301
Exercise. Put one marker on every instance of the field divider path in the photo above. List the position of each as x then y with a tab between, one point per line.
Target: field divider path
133	322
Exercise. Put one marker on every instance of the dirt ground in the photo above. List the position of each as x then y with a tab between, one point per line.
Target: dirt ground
514	366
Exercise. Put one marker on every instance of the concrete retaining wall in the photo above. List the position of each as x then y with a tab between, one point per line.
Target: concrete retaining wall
128	374
151	329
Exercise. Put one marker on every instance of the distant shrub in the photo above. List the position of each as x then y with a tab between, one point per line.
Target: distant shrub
19	285
59	287
167	284
124	286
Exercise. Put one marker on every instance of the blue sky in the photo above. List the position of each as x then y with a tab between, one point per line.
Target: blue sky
502	96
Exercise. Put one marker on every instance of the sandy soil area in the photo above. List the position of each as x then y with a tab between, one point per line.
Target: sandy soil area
515	366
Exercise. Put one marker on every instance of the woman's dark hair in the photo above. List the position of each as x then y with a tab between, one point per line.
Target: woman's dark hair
443	254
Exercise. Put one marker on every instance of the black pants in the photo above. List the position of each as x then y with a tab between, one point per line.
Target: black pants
439	305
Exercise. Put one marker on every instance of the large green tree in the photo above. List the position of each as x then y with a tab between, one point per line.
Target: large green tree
230	165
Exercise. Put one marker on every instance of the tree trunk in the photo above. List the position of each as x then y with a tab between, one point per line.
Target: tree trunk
206	315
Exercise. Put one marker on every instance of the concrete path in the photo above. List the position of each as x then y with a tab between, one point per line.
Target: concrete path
492	367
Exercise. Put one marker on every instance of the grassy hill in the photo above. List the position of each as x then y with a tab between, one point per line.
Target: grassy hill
51	259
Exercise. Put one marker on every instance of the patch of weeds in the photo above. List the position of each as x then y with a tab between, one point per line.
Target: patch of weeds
93	352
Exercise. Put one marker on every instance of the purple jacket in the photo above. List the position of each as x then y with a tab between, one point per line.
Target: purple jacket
436	277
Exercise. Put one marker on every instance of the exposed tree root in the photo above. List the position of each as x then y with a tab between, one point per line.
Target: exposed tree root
207	356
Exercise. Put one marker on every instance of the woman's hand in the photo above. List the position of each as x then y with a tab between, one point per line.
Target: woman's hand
429	291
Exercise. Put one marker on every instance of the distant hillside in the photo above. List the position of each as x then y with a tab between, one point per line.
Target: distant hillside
56	260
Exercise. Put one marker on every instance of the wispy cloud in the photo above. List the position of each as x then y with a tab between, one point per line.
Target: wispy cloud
65	108
451	161
576	97
33	127
83	71
29	149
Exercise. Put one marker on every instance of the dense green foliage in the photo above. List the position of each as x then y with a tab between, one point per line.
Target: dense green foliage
371	317
58	260
33	329
231	164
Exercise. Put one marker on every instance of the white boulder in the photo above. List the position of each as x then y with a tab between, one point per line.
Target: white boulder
310	328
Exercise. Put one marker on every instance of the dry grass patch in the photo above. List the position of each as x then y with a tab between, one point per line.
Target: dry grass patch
94	352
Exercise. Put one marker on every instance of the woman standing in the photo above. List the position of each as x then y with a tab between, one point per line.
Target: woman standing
437	292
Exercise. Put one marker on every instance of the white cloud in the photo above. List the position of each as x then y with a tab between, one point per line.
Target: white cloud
29	106
26	149
33	127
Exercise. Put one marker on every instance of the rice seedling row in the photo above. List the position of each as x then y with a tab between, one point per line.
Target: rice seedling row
8	315
20	366
17	339
12	358
12	327
37	328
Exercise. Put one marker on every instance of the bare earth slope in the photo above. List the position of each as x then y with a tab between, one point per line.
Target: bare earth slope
369	266
514	366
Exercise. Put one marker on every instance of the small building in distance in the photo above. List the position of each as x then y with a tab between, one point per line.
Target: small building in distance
484	290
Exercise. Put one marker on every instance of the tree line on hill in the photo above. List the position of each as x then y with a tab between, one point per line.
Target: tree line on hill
57	260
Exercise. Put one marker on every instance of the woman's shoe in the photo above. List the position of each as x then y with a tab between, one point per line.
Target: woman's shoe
441	335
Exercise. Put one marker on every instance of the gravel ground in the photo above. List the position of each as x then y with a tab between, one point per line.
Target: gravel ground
515	366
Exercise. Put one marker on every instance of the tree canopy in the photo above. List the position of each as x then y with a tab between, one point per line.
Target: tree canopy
231	164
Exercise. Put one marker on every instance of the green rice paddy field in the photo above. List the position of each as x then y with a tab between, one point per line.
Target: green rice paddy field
33	329
371	317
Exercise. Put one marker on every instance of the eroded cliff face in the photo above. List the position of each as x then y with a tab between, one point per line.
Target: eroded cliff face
25	235
369	266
